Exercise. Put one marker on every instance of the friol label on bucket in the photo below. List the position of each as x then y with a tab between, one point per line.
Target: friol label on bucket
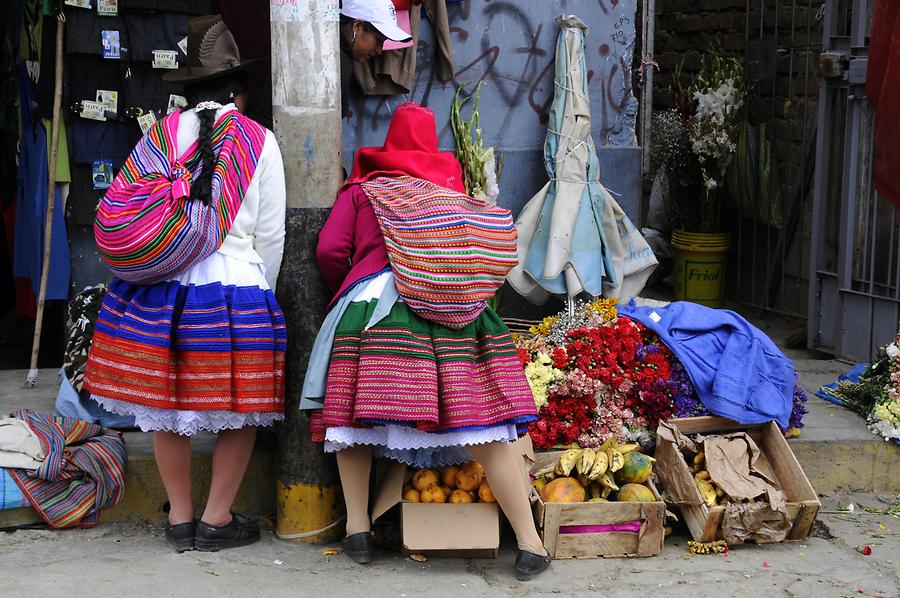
703	280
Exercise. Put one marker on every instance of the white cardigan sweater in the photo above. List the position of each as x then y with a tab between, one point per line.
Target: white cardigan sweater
257	234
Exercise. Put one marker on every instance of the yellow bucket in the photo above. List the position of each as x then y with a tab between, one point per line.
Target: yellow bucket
700	264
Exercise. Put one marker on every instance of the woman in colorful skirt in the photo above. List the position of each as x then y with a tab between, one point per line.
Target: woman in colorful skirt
384	381
204	348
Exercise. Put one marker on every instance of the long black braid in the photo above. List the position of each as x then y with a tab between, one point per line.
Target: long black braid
222	90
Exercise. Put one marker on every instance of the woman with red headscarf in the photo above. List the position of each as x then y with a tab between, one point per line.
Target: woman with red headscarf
384	381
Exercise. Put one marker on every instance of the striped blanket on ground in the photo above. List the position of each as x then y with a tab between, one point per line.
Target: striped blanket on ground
83	472
147	228
449	252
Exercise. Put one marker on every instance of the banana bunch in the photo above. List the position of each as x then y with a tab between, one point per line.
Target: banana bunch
719	546
593	468
710	491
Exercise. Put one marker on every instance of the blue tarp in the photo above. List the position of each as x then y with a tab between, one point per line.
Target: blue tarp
736	369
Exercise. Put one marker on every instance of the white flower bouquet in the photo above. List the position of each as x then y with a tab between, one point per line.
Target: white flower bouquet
710	105
875	395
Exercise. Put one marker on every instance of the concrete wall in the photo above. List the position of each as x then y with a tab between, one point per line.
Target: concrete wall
511	47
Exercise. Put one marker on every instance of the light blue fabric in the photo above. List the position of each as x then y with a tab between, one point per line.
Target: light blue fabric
10	495
589	250
737	370
313	393
69	403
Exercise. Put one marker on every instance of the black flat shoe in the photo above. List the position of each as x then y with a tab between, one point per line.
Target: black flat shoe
239	532
181	535
529	564
359	547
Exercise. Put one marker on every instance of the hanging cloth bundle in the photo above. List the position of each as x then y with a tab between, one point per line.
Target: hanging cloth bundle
573	236
449	252
147	227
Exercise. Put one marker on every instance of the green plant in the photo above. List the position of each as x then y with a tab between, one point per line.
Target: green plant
480	170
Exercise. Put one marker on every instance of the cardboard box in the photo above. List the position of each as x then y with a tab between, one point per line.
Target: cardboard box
568	528
449	530
776	461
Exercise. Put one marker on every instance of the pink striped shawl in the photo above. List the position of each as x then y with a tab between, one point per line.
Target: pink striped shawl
147	228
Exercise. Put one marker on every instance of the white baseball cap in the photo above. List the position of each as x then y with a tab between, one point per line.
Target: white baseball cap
380	13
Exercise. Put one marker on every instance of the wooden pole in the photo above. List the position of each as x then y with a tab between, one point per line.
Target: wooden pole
51	200
648	30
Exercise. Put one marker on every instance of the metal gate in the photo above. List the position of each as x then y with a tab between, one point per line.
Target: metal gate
772	204
854	294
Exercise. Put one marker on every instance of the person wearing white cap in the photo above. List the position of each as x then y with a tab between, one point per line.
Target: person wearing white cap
365	25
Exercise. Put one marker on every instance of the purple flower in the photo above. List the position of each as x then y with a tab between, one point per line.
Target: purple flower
798	409
686	402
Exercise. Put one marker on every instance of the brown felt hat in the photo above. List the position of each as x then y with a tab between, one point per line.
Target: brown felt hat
211	52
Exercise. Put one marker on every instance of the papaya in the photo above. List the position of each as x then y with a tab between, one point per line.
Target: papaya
563	490
635	493
468	479
475	466
461	497
636	469
448	476
425	478
433	494
485	494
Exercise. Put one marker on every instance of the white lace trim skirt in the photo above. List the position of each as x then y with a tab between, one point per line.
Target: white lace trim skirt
187	423
417	448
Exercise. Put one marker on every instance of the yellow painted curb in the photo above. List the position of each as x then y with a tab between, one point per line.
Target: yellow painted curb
304	508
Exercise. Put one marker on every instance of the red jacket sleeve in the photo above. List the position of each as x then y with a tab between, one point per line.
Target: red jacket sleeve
335	248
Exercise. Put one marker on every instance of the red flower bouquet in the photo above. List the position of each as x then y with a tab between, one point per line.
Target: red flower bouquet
602	376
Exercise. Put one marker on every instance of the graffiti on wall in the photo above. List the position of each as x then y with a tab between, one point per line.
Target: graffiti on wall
510	47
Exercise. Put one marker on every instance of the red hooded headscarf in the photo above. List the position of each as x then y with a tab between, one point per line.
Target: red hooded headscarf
411	148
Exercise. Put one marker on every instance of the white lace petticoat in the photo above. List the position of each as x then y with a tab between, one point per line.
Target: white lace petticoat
415	447
187	423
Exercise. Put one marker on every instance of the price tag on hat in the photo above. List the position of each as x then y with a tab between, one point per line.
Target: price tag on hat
165	59
107	8
92	110
175	102
145	121
101	174
111	46
109	99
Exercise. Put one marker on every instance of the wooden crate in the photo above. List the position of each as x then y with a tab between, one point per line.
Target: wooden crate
777	461
552	517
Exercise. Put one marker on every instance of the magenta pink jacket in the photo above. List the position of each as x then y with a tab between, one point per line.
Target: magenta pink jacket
350	246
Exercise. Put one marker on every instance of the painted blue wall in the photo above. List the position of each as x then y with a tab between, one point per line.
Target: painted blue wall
511	46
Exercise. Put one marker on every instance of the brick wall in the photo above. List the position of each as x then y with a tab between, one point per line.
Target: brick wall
786	101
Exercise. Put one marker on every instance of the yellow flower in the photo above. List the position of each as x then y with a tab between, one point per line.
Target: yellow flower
889	412
543	329
605	308
541	374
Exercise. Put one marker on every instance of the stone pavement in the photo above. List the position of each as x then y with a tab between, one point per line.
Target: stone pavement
845	462
133	560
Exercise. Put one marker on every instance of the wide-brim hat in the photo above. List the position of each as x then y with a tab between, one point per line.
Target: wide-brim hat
211	52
